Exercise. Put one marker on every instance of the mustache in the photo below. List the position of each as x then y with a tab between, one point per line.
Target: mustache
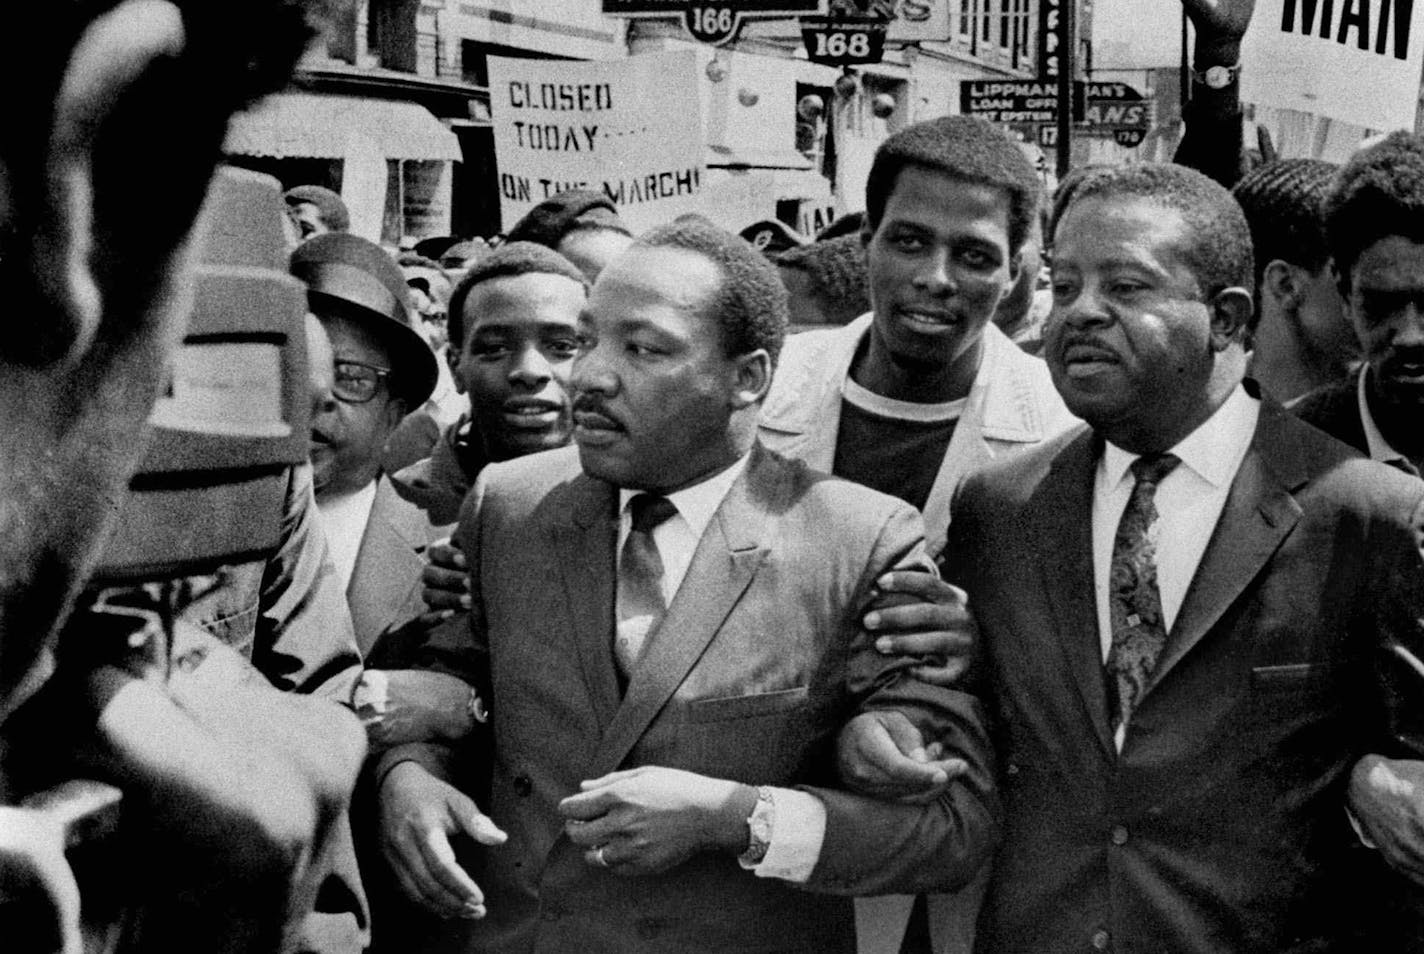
590	404
1067	340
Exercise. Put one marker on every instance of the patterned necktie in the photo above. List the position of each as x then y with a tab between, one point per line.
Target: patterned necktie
1134	602
640	580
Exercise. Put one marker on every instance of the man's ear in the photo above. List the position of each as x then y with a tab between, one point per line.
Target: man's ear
452	361
112	57
1280	280
1231	310
753	378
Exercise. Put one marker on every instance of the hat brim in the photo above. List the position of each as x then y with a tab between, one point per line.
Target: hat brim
413	363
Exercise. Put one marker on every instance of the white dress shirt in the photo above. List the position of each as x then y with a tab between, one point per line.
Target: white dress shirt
798	825
344	519
1189	502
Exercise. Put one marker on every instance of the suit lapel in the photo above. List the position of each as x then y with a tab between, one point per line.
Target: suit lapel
1258	515
388	565
726	559
1063	512
586	544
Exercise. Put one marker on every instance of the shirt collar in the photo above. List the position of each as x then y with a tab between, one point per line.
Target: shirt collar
1213	451
1375	443
696	504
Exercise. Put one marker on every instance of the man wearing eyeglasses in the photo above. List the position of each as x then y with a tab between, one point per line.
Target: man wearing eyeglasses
383	368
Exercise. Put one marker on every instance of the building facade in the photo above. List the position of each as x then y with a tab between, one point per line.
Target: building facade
394	109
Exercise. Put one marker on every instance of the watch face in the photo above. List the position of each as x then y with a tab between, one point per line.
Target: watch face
1218	76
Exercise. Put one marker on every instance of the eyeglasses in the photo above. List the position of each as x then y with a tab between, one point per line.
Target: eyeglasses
357	383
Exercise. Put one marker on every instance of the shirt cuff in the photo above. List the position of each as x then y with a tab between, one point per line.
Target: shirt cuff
797	831
371	697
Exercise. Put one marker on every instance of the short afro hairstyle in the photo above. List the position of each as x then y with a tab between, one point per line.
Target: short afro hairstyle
1219	249
962	147
836	268
1379	193
509	260
1284	202
750	305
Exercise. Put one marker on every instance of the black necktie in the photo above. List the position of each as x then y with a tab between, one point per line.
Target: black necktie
640	579
1134	601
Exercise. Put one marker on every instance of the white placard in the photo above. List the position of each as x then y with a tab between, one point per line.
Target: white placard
631	128
1354	60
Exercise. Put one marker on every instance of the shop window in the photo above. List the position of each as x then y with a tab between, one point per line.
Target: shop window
964	23
815	134
474	63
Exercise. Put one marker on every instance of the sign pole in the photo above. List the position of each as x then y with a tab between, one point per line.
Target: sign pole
1067	55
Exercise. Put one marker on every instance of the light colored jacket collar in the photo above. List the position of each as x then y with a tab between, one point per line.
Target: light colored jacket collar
1010	406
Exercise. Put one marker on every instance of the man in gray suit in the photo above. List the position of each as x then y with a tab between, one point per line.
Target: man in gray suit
669	617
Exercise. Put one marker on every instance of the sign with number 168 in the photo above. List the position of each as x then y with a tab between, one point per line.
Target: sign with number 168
842	41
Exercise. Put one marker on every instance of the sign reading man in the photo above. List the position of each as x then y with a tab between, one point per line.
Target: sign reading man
1354	60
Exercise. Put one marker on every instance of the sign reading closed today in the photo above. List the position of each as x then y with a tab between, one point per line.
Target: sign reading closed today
630	128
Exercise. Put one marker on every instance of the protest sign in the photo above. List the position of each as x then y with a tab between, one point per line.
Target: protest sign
1353	60
631	128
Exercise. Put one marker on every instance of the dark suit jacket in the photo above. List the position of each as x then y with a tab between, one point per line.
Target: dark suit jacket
757	664
1335	409
1221	824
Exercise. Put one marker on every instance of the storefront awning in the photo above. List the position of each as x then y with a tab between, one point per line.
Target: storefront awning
320	126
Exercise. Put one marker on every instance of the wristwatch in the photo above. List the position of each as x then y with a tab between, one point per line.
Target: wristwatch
759	824
1217	77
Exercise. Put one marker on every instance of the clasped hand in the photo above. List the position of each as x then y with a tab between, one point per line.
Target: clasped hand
646	820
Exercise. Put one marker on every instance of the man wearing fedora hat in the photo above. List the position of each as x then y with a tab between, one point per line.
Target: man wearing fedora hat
383	368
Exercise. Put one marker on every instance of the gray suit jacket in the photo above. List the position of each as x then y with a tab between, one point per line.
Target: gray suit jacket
757	664
384	591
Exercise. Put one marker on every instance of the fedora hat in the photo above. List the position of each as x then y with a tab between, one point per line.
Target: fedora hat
345	274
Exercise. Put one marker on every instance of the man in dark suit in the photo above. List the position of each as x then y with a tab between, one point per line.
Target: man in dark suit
664	694
1373	225
1197	613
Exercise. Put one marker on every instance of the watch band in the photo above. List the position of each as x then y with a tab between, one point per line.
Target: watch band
759	825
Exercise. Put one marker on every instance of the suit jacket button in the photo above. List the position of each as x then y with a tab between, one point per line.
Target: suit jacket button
1119	835
523	785
1100	940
